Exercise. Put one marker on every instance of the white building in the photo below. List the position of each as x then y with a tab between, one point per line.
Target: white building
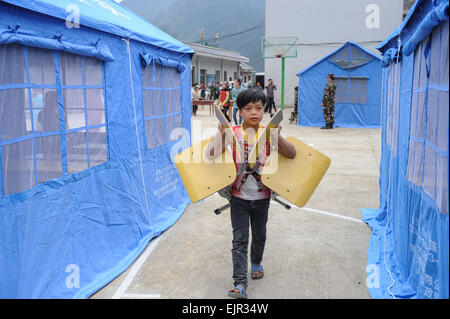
211	64
323	26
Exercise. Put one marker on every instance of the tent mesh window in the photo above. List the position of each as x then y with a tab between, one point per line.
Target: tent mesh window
84	111
392	106
350	57
162	103
31	130
428	144
351	90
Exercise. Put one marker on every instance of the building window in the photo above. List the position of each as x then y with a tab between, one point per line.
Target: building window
203	76
161	102
218	76
351	90
49	126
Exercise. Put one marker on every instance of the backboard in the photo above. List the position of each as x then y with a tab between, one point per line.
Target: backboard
278	47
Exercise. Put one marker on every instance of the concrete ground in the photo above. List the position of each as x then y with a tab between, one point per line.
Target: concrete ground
314	252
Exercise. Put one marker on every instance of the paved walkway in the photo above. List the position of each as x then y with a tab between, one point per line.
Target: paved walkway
314	252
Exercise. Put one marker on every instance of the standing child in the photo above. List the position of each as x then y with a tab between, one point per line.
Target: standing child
224	100
250	198
195	96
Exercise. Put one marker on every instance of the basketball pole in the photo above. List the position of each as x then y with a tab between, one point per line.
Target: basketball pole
280	47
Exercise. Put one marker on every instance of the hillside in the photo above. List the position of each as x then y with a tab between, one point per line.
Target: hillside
183	20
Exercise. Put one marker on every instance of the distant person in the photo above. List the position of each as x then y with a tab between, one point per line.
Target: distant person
234	94
192	90
224	100
38	104
296	99
202	91
218	86
195	96
270	87
49	116
258	86
328	102
294	114
213	91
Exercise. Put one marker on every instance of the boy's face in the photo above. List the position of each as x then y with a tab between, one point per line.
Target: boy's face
252	113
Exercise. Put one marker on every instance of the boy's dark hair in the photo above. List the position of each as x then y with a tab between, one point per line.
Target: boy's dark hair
250	96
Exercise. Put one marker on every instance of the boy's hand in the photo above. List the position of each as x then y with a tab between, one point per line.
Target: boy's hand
283	146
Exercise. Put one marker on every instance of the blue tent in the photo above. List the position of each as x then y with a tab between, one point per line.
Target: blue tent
94	102
357	76
409	246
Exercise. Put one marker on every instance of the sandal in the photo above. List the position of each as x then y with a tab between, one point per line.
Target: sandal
257	269
238	295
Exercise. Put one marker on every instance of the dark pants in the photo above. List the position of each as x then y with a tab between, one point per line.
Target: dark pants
245	213
328	114
269	103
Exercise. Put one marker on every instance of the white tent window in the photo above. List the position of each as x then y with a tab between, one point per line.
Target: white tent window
161	102
35	146
84	111
351	90
428	145
350	57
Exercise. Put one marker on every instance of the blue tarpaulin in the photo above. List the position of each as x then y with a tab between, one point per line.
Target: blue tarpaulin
86	136
409	246
358	80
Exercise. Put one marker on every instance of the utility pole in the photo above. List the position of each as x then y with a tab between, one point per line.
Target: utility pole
217	39
202	35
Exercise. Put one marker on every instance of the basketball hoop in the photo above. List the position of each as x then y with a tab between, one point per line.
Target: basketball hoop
280	47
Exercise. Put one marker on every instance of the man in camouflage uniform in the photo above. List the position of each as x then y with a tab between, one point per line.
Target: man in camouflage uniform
328	102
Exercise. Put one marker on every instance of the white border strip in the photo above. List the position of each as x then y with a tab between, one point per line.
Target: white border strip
142	296
324	213
332	214
134	271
